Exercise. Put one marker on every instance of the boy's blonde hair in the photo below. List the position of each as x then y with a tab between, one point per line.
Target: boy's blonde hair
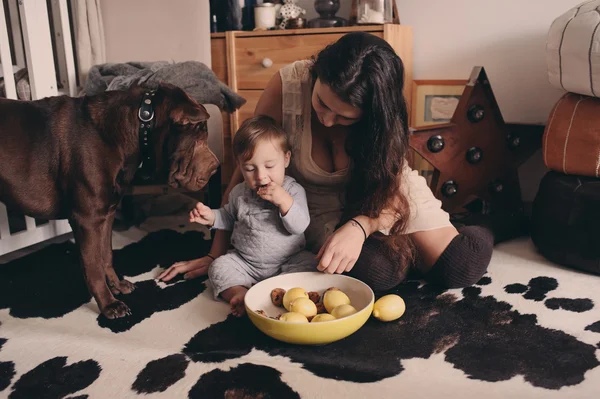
255	130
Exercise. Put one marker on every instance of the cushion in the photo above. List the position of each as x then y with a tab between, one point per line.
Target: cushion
564	225
573	50
571	142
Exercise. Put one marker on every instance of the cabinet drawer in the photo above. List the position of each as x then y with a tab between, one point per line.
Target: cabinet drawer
281	50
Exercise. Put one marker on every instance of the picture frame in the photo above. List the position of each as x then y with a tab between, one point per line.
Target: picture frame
434	101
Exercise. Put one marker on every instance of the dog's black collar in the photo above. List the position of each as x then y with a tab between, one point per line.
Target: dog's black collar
146	117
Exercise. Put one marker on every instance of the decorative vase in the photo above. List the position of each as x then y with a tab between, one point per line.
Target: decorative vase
327	19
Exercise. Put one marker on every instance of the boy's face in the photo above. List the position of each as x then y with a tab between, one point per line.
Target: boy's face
267	165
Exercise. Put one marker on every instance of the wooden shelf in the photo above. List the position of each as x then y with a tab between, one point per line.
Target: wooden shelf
305	31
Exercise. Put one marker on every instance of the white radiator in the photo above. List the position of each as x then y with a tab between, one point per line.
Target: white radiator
30	26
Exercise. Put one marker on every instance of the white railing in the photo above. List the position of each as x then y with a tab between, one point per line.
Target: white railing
32	42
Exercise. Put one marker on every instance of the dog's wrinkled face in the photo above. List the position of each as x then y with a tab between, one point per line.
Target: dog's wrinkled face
185	140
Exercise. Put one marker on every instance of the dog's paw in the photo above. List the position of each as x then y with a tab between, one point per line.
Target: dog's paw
116	310
126	287
122	287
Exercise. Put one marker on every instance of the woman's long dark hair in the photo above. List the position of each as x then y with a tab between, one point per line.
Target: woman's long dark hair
365	72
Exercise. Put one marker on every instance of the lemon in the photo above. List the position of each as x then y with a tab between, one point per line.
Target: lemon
335	298
293	317
342	311
303	306
292	294
389	307
322	317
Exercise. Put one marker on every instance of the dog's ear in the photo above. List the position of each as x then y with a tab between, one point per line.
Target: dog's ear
189	114
186	110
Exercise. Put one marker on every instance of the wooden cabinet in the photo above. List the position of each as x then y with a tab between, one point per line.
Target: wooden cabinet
246	61
247	110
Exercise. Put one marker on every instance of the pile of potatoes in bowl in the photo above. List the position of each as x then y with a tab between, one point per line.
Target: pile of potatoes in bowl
301	306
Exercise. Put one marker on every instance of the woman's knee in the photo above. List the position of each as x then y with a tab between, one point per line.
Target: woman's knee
465	260
379	266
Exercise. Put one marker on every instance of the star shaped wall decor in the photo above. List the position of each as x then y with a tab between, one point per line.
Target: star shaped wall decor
476	155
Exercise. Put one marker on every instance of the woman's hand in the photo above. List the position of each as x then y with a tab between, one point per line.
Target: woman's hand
341	250
190	269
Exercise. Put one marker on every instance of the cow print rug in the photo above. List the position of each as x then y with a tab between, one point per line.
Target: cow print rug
528	329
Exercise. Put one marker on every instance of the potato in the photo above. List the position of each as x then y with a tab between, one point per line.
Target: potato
277	296
322	317
389	307
334	298
292	294
303	306
314	296
342	311
293	317
321	308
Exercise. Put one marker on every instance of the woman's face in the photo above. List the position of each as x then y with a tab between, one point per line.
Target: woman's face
330	109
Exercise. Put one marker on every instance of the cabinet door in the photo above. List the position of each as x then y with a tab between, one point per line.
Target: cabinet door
247	110
218	53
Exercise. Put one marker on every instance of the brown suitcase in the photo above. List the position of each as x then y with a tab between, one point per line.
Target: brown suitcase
571	143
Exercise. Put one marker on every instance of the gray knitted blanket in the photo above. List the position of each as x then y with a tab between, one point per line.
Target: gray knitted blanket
195	78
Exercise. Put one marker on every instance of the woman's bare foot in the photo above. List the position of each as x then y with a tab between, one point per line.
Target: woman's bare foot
235	297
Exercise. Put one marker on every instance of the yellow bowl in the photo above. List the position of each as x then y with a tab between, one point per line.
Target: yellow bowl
259	298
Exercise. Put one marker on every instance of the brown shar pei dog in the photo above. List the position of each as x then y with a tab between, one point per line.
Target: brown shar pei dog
73	158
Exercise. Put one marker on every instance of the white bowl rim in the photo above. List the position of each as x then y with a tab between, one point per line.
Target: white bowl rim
321	322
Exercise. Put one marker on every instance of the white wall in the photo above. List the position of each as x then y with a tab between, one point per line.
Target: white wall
507	38
156	30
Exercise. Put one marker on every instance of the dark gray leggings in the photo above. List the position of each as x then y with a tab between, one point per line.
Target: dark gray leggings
461	264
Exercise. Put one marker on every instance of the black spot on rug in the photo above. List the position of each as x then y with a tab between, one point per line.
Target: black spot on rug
594	327
577	305
49	283
244	381
535	290
7	370
485	281
516	288
154	378
539	287
148	298
54	379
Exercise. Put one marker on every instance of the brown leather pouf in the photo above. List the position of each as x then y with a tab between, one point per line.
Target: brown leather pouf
571	142
565	225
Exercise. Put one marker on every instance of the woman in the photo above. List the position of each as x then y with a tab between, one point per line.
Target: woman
371	216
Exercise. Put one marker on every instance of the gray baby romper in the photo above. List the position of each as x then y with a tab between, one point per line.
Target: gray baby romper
265	243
